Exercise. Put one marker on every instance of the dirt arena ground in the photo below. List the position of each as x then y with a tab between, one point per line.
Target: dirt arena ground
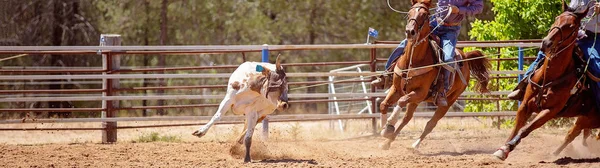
454	143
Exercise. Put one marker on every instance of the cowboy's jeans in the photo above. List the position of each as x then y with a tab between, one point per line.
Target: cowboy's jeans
447	34
590	50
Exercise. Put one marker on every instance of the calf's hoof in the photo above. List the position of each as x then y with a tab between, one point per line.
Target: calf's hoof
199	133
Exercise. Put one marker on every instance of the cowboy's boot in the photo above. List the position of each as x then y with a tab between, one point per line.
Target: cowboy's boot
443	88
519	91
381	80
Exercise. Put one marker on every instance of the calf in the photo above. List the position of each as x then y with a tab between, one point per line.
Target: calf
255	90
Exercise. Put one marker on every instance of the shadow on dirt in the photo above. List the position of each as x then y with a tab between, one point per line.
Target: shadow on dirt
311	161
569	160
455	153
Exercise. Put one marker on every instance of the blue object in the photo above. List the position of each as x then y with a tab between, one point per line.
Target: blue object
396	53
265	53
259	68
520	63
540	58
373	32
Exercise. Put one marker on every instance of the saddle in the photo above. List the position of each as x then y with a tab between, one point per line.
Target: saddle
438	57
582	85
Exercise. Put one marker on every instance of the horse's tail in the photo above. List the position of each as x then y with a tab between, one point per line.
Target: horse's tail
479	69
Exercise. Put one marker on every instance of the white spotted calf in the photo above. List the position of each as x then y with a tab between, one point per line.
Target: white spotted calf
255	89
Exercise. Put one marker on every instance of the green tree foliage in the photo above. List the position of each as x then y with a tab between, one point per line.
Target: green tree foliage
514	20
517	19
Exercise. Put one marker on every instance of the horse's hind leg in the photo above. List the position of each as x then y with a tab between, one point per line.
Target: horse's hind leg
574	132
439	114
407	116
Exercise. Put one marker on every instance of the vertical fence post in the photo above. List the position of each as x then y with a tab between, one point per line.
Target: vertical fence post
373	60
498	108
265	122
110	63
521	60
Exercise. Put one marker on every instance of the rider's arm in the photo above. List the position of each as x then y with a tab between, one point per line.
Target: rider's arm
472	8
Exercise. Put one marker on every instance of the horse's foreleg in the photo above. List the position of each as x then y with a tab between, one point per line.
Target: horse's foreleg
393	95
574	132
415	96
523	115
390	137
539	120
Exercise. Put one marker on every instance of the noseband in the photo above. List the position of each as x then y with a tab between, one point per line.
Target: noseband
562	38
418	8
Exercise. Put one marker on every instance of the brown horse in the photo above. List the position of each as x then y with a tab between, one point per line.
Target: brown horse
583	107
414	87
550	86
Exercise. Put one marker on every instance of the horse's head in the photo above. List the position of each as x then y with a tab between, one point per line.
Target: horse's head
418	20
563	32
278	87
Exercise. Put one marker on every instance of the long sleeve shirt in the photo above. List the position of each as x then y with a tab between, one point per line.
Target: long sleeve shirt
466	7
594	22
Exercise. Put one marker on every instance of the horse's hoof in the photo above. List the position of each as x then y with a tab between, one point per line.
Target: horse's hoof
384	146
416	144
388	132
247	160
199	133
501	154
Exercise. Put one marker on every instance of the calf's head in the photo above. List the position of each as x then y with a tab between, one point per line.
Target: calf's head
277	86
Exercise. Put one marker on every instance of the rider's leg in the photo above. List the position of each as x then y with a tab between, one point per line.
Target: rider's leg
395	54
591	52
380	81
519	91
448	35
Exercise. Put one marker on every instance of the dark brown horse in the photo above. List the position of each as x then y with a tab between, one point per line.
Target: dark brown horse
550	86
414	86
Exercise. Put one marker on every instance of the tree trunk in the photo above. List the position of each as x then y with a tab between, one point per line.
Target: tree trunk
145	57
57	40
161	58
312	36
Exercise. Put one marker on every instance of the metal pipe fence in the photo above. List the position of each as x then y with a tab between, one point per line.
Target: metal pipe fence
111	74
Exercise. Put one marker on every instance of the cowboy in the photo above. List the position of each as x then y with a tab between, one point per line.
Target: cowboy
447	31
587	43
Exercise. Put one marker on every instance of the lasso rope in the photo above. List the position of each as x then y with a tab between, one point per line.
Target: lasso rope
13	57
390	6
416	68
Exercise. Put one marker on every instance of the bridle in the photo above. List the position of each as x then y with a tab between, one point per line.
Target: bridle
419	25
563	78
562	38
